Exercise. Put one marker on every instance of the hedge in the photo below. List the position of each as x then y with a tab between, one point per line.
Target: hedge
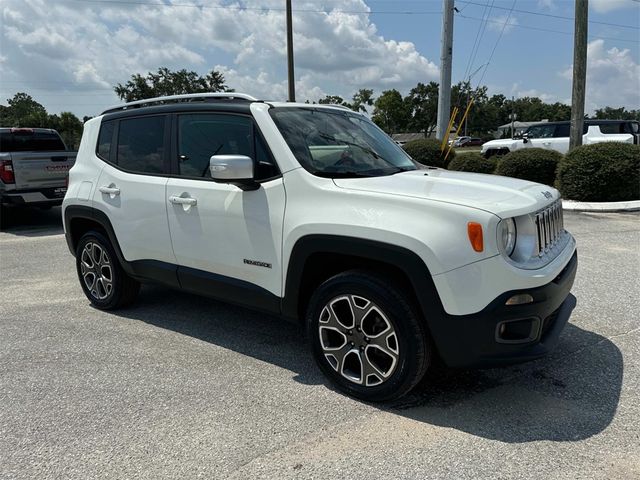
602	172
472	162
427	152
533	164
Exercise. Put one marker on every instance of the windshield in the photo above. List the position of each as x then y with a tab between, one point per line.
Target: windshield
334	143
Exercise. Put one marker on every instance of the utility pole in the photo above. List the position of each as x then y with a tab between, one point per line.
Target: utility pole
446	53
579	73
292	84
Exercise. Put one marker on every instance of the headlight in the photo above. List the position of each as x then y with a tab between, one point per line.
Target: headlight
507	235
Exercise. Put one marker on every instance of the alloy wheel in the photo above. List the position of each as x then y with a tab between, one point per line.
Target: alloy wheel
96	269
358	340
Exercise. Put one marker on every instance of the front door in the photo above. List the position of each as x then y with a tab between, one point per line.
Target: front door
227	241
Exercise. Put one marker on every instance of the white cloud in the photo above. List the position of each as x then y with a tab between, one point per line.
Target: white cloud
612	77
86	46
604	6
498	22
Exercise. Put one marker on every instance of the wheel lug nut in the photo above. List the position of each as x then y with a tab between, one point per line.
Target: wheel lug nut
352	344
367	339
349	332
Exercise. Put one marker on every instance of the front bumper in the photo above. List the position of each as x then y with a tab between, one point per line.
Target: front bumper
474	340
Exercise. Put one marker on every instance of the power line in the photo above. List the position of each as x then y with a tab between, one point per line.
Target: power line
550	15
504	26
540	29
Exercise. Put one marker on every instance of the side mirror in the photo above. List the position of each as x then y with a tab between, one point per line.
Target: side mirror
233	169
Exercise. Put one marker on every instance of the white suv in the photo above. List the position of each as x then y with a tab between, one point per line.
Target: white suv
555	136
311	212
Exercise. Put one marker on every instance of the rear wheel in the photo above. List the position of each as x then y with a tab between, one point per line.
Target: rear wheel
101	276
366	336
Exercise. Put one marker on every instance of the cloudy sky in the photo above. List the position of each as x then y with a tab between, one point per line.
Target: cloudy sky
68	54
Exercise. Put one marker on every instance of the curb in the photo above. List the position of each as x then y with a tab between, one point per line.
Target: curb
603	207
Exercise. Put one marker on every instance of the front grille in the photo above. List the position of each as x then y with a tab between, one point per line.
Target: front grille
549	226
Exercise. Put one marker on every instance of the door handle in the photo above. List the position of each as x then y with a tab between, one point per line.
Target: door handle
183	200
111	190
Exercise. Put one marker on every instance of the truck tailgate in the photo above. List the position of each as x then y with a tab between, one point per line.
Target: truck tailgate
34	170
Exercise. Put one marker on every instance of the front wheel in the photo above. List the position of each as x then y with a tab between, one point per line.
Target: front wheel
366	336
104	282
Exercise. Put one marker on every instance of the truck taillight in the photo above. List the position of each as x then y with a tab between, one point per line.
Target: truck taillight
6	171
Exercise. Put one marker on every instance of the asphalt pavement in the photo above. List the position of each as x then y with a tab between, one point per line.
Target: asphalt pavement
179	386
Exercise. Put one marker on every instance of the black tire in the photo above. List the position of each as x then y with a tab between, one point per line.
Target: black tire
412	351
123	289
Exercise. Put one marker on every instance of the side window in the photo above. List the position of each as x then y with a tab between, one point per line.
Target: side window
202	135
104	140
265	165
541	131
611	128
562	130
141	144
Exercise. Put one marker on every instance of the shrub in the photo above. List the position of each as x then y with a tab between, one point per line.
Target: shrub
472	162
533	164
427	152
602	172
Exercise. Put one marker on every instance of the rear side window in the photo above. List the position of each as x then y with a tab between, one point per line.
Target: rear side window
104	140
611	128
29	141
562	130
141	144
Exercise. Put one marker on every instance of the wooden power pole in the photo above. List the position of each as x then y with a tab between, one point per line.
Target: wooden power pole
291	76
446	54
579	73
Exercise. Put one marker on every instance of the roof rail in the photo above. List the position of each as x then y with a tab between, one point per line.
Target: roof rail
336	105
178	98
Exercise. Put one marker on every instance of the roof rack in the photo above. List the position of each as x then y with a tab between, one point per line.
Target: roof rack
336	105
180	98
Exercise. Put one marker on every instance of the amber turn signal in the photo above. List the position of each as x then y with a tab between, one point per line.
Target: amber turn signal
474	230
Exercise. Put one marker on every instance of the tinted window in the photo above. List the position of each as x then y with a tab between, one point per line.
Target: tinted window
563	130
141	144
541	131
30	141
610	128
202	135
265	165
104	139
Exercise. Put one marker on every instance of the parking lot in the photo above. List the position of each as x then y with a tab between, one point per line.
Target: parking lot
182	387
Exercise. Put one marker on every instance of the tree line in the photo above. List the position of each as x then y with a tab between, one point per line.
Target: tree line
394	113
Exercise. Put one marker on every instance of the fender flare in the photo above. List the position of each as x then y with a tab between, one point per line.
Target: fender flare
73	212
406	260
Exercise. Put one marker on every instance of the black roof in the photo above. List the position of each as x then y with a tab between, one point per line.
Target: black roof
218	105
592	121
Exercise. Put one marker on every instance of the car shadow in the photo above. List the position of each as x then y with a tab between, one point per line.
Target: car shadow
570	395
31	221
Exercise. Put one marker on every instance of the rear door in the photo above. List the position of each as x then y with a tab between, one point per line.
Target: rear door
131	187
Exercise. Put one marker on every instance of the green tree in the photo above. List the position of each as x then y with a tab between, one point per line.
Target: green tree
391	112
333	100
362	99
610	113
166	82
23	111
423	106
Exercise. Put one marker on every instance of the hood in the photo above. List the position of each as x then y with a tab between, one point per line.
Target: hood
500	143
502	196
